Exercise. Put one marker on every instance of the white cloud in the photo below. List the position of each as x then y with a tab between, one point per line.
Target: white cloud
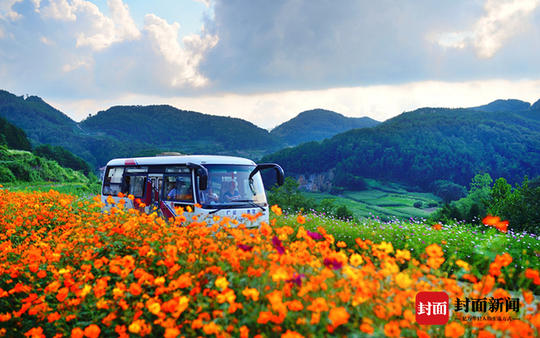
59	10
6	11
77	64
125	26
502	20
46	41
185	61
104	30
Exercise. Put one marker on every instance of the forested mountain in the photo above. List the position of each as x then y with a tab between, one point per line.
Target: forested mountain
12	136
19	163
318	124
127	131
44	124
504	105
426	145
186	131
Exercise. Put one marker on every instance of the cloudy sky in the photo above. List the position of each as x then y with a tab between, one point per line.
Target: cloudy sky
266	61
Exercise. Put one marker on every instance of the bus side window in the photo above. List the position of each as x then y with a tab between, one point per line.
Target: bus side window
178	188
134	185
113	181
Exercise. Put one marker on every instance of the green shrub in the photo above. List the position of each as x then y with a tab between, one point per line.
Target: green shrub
6	175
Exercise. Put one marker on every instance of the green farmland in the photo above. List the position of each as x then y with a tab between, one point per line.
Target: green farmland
384	200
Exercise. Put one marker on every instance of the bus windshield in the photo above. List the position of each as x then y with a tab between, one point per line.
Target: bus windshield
229	186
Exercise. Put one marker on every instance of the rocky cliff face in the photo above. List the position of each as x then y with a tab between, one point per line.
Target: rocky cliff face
321	182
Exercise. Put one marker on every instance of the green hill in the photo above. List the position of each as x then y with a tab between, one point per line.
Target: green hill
47	163
186	131
44	124
24	166
420	147
318	124
13	137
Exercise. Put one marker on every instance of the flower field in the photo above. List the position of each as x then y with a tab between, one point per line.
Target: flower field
67	269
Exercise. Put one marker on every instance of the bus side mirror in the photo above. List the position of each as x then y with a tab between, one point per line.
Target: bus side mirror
200	172
280	176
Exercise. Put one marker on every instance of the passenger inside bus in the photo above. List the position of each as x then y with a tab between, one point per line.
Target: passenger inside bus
179	191
209	196
232	194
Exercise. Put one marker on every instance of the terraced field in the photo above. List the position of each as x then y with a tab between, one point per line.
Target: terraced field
385	200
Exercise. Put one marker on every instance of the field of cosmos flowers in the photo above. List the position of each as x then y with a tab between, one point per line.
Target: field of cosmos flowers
68	269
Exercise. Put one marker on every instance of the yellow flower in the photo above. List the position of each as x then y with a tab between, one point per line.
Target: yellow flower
251	293
134	327
463	264
385	247
154	308
356	259
222	283
403	255
86	289
403	280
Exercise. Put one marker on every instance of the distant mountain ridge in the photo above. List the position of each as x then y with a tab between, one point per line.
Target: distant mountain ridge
124	131
509	105
318	124
423	146
171	128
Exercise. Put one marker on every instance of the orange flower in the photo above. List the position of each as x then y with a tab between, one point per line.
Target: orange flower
435	262
36	332
434	250
276	210
135	289
244	332
92	331
338	316
485	334
436	226
392	329
291	334
77	333
301	219
62	294
491	220
366	328
318	305
495	221
534	275
341	244
171	332
454	329
489	282
295	305
528	296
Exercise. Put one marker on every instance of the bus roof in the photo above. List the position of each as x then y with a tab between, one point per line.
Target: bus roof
164	160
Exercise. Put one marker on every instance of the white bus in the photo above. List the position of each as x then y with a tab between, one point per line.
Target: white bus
209	185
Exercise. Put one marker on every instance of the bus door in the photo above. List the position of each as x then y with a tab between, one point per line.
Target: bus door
177	190
134	183
156	181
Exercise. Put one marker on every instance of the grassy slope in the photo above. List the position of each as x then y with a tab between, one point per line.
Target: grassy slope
383	199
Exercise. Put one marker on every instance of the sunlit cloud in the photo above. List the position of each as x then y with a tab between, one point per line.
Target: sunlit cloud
502	20
185	60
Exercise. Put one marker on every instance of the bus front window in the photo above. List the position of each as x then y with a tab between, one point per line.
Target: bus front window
229	185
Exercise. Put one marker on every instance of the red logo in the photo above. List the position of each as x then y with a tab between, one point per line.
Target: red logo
432	308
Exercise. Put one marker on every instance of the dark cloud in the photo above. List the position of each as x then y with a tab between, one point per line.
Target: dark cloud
320	44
